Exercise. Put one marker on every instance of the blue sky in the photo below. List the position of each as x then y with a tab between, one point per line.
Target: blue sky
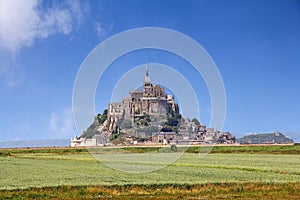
255	45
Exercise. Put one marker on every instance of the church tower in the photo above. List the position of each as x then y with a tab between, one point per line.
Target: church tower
148	88
147	78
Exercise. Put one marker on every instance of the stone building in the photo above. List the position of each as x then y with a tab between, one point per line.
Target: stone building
151	100
142	115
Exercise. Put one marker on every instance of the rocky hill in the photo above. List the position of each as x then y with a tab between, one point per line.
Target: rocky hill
267	138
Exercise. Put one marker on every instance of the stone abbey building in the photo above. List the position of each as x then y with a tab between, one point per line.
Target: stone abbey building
151	100
145	108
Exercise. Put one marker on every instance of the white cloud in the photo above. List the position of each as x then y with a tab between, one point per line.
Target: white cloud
23	22
61	124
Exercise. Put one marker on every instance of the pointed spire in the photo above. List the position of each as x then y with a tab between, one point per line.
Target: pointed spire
147	79
147	70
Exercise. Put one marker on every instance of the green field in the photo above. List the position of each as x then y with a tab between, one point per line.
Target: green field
75	171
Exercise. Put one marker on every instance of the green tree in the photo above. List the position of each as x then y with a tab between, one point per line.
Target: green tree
173	148
137	112
92	129
126	124
148	129
101	118
167	129
196	121
172	121
104	112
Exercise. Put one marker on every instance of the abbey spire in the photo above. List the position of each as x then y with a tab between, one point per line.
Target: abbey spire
147	78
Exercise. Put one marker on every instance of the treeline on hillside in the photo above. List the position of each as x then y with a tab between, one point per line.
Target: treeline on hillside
92	129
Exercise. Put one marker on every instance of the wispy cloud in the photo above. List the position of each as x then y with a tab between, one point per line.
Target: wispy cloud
10	71
61	124
22	23
101	30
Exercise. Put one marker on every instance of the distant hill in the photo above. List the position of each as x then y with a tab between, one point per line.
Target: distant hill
267	138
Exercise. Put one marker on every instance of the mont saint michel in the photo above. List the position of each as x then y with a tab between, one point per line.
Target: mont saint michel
148	116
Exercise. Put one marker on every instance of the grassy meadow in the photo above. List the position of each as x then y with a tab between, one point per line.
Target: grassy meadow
227	172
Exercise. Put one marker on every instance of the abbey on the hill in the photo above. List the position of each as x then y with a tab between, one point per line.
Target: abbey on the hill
151	100
147	116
